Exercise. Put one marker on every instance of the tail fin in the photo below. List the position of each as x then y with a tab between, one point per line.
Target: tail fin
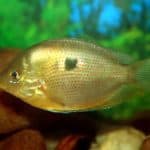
142	74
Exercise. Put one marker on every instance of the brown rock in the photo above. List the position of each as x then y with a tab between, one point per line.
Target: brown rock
73	142
24	140
12	117
146	144
9	54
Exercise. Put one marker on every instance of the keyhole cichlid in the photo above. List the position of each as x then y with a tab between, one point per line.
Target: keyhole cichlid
72	75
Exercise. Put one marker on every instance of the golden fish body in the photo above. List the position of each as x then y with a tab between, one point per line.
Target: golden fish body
66	75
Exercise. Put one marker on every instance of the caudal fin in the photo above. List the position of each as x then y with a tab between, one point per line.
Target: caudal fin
141	71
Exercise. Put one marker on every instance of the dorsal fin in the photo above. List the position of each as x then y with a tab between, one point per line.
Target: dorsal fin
123	58
116	56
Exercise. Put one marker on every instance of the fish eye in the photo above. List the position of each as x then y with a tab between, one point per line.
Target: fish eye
14	76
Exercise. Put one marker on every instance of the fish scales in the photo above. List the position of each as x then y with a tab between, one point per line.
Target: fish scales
92	76
67	75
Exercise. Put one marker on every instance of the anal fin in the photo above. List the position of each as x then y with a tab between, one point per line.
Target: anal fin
124	93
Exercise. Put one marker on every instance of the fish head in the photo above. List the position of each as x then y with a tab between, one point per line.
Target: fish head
12	78
21	78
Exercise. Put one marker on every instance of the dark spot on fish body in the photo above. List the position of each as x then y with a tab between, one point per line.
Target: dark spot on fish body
70	63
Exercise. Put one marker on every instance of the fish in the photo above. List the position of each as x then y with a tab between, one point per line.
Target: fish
71	75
